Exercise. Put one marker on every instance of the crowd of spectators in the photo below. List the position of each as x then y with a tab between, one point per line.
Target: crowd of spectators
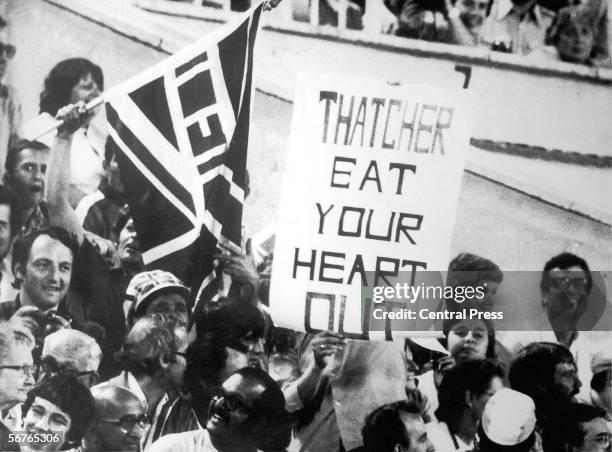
574	31
99	353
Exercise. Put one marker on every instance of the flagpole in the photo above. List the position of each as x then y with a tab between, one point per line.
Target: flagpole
89	106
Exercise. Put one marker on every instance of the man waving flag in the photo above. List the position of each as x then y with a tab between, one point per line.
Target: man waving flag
180	132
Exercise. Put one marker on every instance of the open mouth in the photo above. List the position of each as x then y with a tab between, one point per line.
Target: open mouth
53	290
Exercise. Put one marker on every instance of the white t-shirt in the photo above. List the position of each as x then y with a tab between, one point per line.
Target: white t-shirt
195	441
440	437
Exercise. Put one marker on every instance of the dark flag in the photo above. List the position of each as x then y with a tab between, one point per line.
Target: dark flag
180	132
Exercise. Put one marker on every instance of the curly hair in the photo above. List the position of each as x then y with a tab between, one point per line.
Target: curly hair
64	76
152	337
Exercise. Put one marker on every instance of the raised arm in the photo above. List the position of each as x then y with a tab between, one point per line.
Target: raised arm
60	211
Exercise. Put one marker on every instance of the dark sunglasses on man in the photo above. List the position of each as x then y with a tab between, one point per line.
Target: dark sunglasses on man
230	403
564	283
8	49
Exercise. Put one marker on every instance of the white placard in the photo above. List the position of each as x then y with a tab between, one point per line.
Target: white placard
371	186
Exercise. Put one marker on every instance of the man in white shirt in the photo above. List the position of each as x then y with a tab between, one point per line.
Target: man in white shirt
565	287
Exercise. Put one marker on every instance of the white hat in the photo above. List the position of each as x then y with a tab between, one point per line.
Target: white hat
509	417
144	285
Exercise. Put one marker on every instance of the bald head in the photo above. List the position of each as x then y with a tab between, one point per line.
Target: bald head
112	402
118	419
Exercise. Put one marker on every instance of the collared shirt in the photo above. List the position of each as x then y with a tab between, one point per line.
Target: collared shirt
10	121
371	374
126	380
169	414
526	31
38	219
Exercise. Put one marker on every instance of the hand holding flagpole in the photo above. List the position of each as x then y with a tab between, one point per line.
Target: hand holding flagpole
59	122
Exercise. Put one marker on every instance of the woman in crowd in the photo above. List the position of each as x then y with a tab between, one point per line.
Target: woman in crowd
465	340
71	81
58	410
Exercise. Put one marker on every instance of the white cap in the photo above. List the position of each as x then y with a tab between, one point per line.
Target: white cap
509	417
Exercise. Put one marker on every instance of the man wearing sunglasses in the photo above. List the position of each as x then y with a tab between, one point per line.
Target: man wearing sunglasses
10	107
119	420
247	414
565	287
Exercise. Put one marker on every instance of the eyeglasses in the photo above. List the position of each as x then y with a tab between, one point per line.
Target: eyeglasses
49	367
127	422
602	440
184	355
230	403
8	49
27	370
477	333
564	283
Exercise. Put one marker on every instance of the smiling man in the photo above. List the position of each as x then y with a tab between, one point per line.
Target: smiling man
247	414
42	265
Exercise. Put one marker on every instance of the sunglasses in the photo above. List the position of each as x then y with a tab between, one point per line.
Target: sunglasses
565	283
27	370
8	49
127	422
230	403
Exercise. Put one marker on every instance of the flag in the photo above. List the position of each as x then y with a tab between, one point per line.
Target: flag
180	133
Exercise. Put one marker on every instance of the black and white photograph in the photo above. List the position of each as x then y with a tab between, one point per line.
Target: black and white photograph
306	225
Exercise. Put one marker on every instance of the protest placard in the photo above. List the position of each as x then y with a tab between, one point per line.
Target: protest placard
371	190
